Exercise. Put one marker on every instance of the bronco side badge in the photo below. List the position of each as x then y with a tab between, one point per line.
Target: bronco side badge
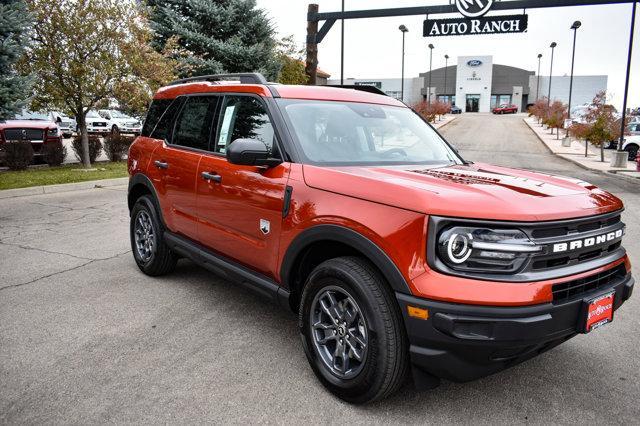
265	226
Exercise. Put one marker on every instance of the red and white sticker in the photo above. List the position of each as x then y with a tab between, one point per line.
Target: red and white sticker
600	312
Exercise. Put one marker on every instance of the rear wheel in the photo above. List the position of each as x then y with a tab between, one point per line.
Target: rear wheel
152	255
352	330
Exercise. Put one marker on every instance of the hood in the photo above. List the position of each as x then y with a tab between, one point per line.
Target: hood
27	124
478	191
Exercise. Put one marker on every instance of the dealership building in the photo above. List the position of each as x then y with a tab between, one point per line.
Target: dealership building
476	84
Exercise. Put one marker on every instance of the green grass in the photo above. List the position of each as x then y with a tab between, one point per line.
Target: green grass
37	176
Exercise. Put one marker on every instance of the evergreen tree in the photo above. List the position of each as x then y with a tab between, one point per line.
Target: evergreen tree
14	89
219	36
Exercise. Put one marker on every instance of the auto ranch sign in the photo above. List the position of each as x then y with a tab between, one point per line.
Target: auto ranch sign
474	22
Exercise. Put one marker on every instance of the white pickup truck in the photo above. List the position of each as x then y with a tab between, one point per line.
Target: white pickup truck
121	123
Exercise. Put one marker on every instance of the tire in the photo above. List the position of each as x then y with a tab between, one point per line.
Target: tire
156	258
632	150
369	305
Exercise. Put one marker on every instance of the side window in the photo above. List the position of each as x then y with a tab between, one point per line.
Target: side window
163	128
156	109
243	117
193	126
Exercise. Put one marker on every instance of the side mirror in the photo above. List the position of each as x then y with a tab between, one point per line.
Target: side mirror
250	152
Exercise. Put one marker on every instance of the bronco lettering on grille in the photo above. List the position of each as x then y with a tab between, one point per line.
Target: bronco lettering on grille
587	242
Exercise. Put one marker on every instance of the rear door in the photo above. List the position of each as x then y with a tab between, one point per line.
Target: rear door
176	161
240	207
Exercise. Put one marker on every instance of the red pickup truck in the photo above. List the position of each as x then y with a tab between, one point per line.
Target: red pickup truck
32	126
348	208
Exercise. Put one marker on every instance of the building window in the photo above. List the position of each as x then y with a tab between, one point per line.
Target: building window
449	99
497	100
394	94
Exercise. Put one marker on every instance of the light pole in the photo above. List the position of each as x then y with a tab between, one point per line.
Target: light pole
404	30
574	27
618	158
430	63
446	63
538	83
552	46
342	48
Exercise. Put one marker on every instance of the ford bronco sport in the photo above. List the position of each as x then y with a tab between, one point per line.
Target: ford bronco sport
396	253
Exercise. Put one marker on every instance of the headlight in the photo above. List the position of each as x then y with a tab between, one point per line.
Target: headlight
52	132
471	249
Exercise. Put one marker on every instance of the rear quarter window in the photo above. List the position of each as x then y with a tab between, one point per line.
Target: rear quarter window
157	108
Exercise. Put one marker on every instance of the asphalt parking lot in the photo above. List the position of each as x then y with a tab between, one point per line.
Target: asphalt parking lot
86	338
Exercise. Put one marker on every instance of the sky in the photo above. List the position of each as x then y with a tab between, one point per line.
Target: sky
373	46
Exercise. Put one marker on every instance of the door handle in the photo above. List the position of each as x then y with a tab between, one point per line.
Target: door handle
211	176
161	164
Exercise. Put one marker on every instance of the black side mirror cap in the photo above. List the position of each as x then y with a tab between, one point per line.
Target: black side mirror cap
250	152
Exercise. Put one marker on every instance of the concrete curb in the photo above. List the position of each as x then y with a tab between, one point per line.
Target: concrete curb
576	162
446	124
65	187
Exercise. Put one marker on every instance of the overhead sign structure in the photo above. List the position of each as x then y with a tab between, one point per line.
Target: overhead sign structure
483	25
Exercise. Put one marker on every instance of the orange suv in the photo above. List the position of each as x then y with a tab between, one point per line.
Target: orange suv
348	208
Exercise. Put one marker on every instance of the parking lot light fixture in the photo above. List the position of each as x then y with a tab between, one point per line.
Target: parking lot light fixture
404	30
446	64
538	83
574	27
430	64
552	46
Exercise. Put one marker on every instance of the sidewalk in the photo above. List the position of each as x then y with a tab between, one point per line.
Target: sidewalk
575	153
446	120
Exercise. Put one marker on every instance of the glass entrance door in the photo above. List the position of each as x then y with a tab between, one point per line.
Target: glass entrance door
473	103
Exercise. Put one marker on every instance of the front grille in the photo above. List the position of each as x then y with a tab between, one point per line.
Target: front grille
23	134
99	124
547	234
577	227
574	288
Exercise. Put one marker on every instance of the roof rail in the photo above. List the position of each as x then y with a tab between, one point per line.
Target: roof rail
362	88
243	77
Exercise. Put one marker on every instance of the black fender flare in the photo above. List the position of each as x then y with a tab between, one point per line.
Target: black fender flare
141	179
348	237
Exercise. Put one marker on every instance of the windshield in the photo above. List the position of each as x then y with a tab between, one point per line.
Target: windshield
30	115
93	114
117	114
349	133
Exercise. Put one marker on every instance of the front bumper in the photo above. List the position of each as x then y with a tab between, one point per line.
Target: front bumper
465	342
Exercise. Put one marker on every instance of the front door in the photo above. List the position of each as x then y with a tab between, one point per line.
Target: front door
240	207
473	103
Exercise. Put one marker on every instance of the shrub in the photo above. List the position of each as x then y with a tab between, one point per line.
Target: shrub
116	146
95	147
54	153
18	154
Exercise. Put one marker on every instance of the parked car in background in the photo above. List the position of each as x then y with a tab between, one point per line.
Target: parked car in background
631	145
66	124
505	109
36	127
456	109
121	123
96	124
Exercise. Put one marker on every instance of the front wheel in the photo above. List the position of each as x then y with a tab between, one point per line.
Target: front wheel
352	330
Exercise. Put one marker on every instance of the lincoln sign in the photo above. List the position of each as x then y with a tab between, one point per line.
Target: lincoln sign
483	25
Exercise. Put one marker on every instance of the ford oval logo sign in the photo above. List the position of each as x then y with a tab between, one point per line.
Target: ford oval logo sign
473	8
474	63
